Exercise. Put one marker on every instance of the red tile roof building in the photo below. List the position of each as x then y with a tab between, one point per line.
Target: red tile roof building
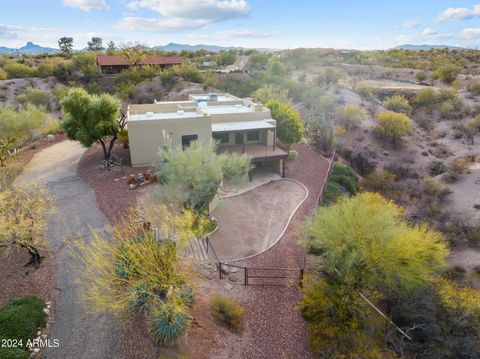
111	64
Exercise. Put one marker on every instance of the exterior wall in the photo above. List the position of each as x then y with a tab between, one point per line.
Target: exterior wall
240	116
146	137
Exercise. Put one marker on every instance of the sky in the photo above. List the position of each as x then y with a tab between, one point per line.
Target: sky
279	24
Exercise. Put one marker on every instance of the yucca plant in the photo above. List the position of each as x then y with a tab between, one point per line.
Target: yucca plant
186	294
167	322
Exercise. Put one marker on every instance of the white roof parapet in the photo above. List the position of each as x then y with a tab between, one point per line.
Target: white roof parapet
241	126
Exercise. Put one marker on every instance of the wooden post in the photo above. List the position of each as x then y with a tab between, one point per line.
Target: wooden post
283	167
274	138
246	276
220	269
301	278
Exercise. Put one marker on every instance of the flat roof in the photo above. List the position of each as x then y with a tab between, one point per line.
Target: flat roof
162	116
218	110
220	97
241	125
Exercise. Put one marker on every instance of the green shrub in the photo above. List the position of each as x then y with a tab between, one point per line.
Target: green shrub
19	319
437	168
447	74
227	311
332	192
473	87
397	103
292	155
426	97
13	353
167	322
17	70
345	176
35	97
421	76
3	75
140	298
186	294
393	125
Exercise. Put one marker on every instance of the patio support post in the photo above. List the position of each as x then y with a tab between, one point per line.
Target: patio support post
274	138
283	167
243	141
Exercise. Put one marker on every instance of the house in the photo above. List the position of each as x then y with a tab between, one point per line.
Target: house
239	125
114	64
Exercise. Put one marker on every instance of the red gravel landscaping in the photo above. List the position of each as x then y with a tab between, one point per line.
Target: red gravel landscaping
273	329
111	189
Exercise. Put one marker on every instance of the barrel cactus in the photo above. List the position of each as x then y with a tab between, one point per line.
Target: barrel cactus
167	322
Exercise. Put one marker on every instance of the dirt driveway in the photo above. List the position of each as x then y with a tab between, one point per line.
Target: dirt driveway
80	334
252	222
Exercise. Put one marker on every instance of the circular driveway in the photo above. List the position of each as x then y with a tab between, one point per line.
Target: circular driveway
254	221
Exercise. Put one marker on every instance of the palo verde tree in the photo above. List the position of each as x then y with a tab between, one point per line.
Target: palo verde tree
289	125
92	118
139	272
66	44
393	125
350	115
134	54
370	253
23	220
193	176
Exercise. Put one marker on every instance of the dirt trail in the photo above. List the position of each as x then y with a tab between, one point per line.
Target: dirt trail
81	335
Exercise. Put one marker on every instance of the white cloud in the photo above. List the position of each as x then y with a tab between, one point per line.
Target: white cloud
401	39
470	33
133	23
86	5
208	10
428	32
411	24
458	13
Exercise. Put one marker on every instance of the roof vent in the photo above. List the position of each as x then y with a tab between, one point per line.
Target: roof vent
213	96
180	112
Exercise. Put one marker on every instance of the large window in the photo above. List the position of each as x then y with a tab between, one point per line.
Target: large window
222	137
253	135
187	139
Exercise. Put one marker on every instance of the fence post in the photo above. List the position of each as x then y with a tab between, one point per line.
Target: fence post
301	278
220	269
246	276
208	244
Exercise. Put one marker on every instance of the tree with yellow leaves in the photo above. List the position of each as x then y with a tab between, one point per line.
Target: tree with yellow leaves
139	269
23	220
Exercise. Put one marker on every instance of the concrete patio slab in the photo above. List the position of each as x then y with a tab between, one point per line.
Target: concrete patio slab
254	221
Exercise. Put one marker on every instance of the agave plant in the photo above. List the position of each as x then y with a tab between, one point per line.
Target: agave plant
167	322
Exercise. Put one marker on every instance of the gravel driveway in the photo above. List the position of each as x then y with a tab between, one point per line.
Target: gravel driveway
81	334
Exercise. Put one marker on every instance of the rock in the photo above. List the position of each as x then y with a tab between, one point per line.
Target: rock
225	270
36	350
49	306
424	153
228	286
46	310
233	270
233	278
50	137
38	333
44	336
386	153
48	303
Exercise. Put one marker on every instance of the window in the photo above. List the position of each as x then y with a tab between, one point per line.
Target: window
187	139
222	137
253	135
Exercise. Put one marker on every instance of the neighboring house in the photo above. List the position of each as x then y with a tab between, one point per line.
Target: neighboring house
113	64
239	125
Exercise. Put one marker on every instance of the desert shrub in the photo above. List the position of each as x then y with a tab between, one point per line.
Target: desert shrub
86	63
447	74
167	322
446	94
227	311
188	73
426	97
185	292
332	192
350	115
3	75
35	97
397	103
437	168
20	318
381	181
345	176
474	88
433	189
292	155
140	295
13	353
17	70
271	92
393	125
169	78
366	92
421	76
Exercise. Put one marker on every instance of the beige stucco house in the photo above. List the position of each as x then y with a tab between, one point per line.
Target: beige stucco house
239	125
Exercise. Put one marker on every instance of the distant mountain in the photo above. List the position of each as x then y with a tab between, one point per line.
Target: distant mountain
424	47
181	47
29	48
